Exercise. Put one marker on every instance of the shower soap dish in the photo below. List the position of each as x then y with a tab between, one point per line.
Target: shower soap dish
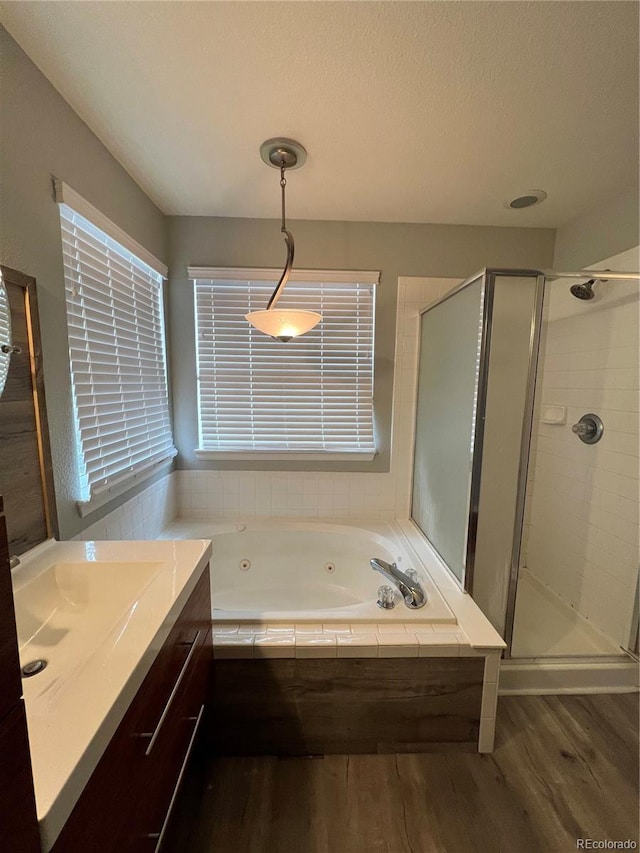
554	415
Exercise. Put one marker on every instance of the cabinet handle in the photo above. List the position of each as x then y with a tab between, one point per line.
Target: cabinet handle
185	666
165	823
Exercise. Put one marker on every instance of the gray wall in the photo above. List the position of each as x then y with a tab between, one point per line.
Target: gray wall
447	251
43	136
601	232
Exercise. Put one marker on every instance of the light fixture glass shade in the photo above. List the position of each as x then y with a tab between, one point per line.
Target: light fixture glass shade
283	324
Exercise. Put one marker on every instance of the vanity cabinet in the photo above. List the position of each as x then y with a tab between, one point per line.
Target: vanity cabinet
126	804
18	823
10	686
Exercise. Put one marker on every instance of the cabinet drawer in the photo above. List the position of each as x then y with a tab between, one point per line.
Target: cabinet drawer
123	801
163	765
160	688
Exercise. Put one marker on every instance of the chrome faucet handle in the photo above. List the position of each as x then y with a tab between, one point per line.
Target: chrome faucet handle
386	597
411	573
589	428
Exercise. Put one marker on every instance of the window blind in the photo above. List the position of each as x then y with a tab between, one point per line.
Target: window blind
312	394
117	353
5	332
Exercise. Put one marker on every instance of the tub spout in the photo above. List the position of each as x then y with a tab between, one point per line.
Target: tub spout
413	594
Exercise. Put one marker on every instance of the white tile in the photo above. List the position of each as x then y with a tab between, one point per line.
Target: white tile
364	628
492	667
420	627
225	628
336	628
487	733
274	629
252	628
232	646
308	628
446	627
438	645
391	628
308	646
489	699
357	646
398	645
270	646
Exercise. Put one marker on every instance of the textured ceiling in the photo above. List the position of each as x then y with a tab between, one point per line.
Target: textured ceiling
410	112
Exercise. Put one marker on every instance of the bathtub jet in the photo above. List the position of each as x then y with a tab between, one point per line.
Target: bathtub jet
413	594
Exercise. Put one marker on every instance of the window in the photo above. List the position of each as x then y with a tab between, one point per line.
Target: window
312	396
117	354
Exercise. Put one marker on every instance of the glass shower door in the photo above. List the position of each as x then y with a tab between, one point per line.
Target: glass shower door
451	335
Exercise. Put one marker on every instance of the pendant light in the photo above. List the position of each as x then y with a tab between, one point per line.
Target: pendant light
282	323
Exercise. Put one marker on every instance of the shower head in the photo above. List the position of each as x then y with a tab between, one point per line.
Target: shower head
585	289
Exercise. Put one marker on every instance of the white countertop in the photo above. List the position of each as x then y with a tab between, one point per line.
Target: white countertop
95	666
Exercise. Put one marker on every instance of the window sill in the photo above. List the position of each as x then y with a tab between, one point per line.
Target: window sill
291	455
119	487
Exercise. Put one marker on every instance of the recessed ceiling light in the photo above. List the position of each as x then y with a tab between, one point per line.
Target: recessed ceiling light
527	199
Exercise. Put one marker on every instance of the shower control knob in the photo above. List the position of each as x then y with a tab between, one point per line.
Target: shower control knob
583	429
589	429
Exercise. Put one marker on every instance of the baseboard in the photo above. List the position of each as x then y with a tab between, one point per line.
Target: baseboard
568	675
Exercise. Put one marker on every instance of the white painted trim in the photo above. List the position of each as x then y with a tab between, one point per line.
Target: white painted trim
105	494
268	274
540	676
291	456
66	195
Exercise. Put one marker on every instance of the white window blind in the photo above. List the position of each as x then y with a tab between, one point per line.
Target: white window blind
117	353
5	332
313	394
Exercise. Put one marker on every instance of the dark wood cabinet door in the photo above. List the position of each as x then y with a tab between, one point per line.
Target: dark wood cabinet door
18	825
10	686
124	805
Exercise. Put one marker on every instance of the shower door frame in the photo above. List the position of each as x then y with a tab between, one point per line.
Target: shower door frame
535	334
525	449
488	277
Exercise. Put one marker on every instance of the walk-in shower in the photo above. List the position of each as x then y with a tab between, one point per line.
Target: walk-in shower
526	456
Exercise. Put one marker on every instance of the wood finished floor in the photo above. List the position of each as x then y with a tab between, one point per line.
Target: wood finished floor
563	768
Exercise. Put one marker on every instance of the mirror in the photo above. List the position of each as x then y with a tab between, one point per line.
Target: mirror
5	334
26	476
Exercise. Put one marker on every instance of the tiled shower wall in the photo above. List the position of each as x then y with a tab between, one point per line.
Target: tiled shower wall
582	539
250	494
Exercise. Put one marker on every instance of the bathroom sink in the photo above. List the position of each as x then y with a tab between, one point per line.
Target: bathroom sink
97	613
77	601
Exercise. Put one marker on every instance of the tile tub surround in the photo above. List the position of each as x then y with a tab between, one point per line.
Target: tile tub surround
255	642
144	516
469	636
304	494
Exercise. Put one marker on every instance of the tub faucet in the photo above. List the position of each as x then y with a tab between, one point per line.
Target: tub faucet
413	594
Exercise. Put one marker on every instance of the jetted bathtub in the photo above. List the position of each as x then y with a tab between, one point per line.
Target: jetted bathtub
296	571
